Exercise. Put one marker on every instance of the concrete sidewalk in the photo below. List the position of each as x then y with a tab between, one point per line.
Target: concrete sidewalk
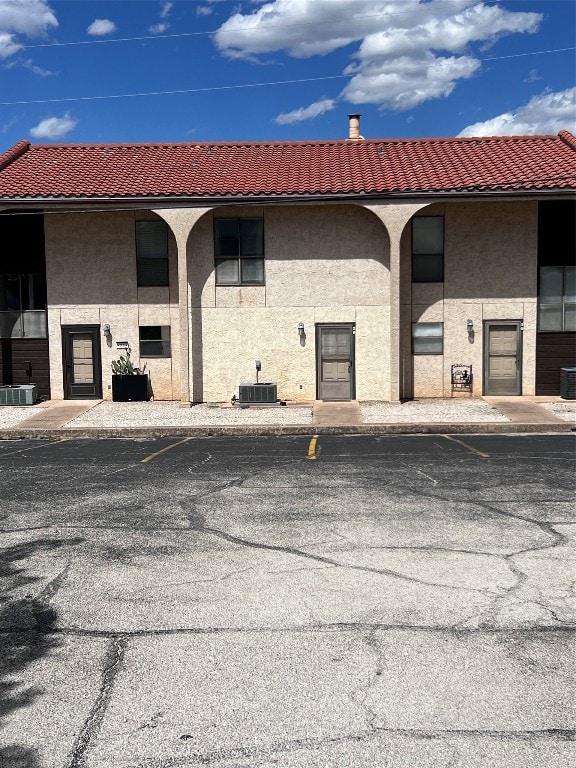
100	419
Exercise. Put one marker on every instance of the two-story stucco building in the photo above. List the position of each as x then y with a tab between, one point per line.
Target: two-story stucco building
353	269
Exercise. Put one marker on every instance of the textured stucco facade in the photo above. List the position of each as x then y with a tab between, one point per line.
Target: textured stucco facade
324	263
91	280
490	273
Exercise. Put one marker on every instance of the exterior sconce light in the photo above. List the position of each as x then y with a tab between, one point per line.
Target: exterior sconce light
470	325
302	334
106	329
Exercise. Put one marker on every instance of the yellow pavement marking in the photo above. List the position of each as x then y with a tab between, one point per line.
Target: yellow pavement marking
168	448
36	447
468	447
312	448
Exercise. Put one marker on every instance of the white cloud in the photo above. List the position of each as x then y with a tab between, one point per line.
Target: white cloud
101	27
203	10
546	113
6	127
54	127
408	52
533	76
32	18
158	29
166	8
29	64
306	113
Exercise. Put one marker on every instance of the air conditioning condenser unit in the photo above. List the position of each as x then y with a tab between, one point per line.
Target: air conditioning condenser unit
19	394
255	394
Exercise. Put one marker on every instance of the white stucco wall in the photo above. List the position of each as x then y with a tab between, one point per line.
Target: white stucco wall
490	273
91	279
324	264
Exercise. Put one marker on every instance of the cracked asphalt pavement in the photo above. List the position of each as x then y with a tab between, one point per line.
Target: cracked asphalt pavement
288	602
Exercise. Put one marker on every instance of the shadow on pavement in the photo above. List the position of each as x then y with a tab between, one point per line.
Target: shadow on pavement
27	625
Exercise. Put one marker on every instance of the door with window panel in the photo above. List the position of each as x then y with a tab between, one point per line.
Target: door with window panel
335	361
82	366
503	358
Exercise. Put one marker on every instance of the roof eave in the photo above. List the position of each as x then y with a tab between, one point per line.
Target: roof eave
148	201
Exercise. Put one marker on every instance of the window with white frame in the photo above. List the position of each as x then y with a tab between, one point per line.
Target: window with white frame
557	299
152	253
427	338
239	251
427	249
155	341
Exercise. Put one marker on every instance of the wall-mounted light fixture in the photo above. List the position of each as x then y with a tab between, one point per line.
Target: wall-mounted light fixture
106	329
469	325
302	334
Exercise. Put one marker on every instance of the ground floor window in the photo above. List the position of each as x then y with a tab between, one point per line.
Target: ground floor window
155	341
427	338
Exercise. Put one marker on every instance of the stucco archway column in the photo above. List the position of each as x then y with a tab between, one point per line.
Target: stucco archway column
395	217
181	221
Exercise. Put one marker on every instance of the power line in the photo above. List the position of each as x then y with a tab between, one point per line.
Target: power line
238	86
169	93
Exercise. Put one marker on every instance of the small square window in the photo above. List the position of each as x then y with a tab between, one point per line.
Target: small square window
155	341
427	338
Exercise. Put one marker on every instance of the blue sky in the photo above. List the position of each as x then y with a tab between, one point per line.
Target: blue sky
215	70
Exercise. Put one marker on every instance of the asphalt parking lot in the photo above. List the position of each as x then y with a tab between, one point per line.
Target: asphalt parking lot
337	602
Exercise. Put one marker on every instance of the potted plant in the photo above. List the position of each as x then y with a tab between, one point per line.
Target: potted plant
128	381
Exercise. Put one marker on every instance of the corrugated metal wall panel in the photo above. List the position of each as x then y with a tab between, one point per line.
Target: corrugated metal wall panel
553	352
15	354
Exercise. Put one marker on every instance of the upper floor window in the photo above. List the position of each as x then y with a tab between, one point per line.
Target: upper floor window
152	252
239	251
23	306
427	249
557	299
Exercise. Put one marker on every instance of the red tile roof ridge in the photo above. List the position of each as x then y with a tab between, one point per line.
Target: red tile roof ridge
565	135
13	153
568	138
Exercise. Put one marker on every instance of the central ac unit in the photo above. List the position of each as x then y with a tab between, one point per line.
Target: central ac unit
258	393
20	394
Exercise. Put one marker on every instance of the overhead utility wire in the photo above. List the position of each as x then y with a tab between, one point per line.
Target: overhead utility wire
235	87
169	93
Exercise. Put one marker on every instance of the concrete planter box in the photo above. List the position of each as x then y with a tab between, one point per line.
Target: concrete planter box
130	388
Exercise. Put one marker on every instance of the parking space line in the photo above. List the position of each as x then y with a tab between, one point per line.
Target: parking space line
468	447
35	447
168	448
312	448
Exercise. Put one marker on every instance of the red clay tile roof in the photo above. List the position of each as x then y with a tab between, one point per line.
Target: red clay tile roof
323	168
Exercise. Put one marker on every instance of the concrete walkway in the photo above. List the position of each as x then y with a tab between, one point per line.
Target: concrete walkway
56	420
58	414
523	410
345	414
